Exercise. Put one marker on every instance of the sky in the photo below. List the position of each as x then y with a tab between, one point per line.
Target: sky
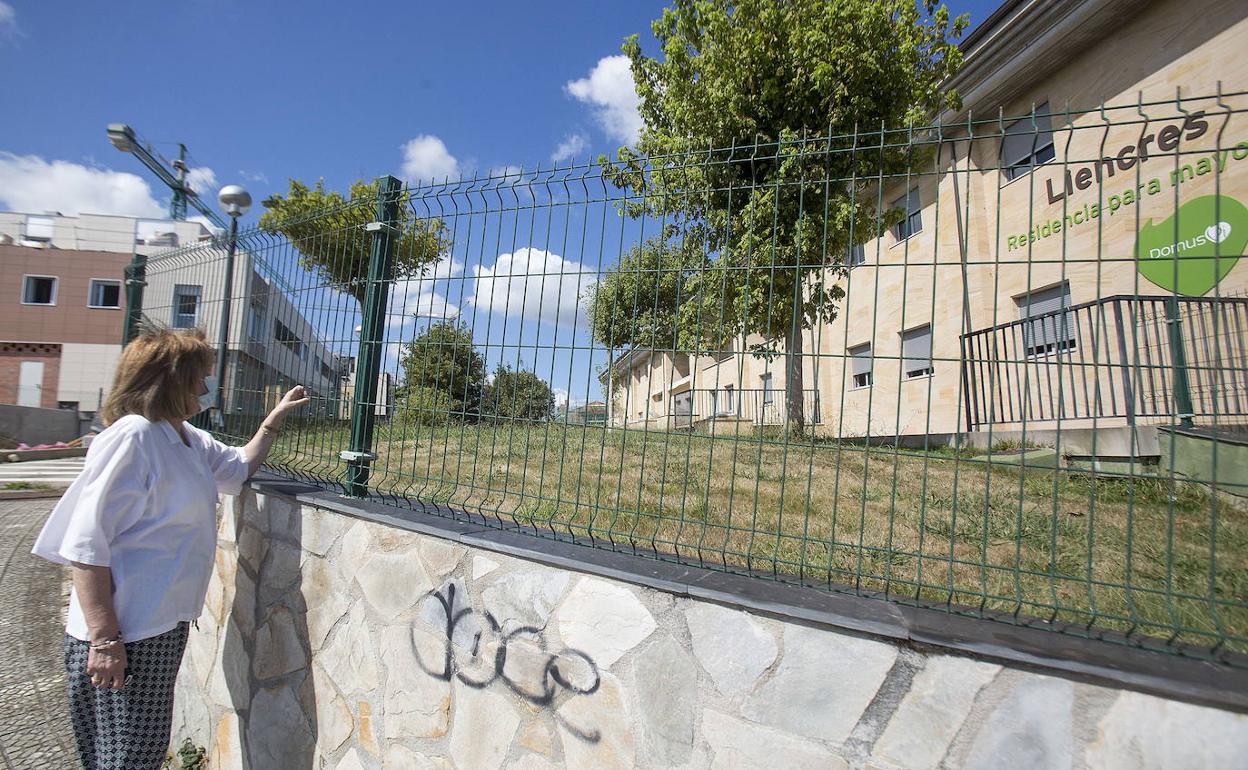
262	92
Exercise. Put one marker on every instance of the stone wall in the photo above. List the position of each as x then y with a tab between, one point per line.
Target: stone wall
335	642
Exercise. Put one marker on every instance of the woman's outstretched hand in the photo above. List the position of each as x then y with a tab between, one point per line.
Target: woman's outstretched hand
294	398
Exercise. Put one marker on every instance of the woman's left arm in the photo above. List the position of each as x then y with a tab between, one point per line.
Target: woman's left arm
258	448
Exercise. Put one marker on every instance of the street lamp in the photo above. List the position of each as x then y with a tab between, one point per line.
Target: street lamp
234	201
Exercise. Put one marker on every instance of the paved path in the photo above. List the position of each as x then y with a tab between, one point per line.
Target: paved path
59	472
34	724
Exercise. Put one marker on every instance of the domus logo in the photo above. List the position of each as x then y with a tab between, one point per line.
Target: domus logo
1218	233
1189	252
1213	234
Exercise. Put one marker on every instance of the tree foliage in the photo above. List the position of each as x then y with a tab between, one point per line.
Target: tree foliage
442	358
636	302
517	394
775	211
328	230
424	406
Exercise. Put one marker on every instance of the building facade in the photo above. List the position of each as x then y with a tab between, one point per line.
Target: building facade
63	283
1041	266
66	279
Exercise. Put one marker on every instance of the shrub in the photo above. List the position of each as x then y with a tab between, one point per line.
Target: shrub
424	406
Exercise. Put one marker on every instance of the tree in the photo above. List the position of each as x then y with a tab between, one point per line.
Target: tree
517	394
636	302
442	358
424	406
774	213
328	230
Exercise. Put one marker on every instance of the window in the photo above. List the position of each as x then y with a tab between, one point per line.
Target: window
1049	325
913	210
1027	143
861	362
255	322
857	255
185	305
916	352
721	401
39	290
769	395
39	229
284	335
104	293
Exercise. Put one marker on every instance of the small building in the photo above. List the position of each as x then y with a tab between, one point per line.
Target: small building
383	403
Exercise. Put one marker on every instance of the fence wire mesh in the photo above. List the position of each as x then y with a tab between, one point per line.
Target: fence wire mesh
997	367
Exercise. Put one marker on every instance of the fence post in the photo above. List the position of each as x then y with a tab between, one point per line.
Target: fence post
372	335
1178	361
136	278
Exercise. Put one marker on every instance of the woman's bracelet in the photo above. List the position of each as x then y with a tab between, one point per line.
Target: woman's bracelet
104	644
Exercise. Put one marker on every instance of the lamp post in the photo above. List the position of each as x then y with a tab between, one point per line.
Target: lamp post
234	201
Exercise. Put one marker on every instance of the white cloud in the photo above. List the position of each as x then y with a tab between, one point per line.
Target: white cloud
609	89
203	181
8	20
534	285
426	159
508	172
427	304
571	146
31	184
425	296
253	176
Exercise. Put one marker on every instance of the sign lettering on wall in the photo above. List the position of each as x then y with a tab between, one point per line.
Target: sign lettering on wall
1189	251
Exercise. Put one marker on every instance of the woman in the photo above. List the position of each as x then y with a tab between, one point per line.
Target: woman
138	530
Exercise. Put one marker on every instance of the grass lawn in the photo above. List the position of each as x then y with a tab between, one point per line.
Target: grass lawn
935	526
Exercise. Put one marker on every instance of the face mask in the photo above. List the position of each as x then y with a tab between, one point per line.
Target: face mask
209	399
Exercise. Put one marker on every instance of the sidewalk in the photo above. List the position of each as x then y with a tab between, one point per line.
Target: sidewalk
34	725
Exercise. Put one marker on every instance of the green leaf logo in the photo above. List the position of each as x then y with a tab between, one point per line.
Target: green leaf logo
1189	252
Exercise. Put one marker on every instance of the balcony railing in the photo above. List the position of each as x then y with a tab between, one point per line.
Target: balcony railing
757	405
1137	358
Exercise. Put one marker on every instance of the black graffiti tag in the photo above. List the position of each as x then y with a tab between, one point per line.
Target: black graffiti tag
566	668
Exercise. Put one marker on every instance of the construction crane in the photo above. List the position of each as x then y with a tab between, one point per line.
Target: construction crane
173	174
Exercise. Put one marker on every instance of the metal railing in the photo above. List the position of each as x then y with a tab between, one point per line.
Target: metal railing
509	349
1138	358
756	406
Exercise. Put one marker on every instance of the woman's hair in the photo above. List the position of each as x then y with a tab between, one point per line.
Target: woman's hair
157	375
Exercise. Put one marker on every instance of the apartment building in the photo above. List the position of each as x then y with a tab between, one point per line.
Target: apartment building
62	280
64	276
1043	265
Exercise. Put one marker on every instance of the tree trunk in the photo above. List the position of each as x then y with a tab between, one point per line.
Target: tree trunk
795	396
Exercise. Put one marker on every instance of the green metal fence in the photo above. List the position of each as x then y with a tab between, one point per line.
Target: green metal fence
996	367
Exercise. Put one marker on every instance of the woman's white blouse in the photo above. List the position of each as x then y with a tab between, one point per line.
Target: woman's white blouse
145	507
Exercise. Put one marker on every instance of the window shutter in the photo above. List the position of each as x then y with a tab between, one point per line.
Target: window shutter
862	359
1026	137
1051	328
916	350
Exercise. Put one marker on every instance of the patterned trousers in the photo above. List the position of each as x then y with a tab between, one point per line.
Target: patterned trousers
126	729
